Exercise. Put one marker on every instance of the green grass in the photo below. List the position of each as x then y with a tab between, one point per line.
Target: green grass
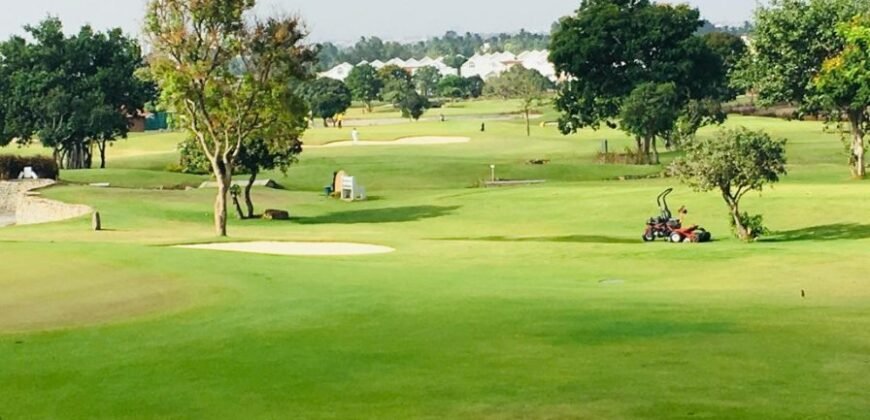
537	302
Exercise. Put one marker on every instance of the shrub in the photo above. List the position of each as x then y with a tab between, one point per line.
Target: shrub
754	225
11	166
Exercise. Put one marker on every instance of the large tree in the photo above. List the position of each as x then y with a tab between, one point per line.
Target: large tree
734	163
393	72
843	86
326	98
364	84
733	51
426	80
610	47
474	86
228	76
412	104
72	93
453	87
793	39
527	85
649	112
397	81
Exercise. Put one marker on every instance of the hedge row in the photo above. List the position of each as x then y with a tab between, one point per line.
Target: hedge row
11	166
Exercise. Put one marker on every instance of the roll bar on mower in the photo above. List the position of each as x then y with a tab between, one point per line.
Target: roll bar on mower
662	200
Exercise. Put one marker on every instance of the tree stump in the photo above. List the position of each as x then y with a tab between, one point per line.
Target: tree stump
96	222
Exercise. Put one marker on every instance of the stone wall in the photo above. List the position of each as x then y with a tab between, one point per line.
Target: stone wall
20	202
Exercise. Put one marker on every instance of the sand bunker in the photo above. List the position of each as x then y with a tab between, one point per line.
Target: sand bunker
407	141
295	248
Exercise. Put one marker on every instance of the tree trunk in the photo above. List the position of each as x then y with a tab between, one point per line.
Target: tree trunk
102	146
528	124
742	232
248	201
655	149
75	156
224	178
238	207
647	143
89	155
859	166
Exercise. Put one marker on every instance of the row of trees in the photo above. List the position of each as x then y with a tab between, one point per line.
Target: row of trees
452	45
411	95
73	93
392	82
458	47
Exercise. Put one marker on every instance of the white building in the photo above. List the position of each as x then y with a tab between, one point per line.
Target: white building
540	61
396	62
491	65
339	72
484	65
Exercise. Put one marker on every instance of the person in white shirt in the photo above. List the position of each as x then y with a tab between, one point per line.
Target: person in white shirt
355	136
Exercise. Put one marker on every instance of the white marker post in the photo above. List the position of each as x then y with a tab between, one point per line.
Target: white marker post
492	168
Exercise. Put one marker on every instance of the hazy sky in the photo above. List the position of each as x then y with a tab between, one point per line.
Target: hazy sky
347	20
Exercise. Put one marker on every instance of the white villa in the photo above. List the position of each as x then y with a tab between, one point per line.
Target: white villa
339	72
490	65
484	65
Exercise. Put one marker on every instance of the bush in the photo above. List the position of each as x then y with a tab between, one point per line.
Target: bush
11	166
754	225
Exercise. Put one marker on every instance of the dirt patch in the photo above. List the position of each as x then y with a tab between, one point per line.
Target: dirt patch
295	248
407	141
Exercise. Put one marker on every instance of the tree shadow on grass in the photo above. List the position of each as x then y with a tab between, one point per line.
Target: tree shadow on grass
579	239
837	232
385	215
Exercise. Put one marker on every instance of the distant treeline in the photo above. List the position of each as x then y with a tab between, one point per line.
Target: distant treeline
453	45
741	30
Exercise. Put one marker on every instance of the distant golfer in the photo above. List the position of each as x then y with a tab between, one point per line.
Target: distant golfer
355	135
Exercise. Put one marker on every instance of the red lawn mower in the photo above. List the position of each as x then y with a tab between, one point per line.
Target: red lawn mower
666	227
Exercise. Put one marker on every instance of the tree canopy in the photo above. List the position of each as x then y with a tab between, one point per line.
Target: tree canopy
802	59
458	87
70	92
426	80
610	47
364	84
326	97
650	111
527	85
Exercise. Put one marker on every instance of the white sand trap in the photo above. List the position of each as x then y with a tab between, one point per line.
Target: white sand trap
304	249
407	141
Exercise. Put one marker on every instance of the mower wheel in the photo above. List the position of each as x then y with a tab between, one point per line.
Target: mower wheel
649	237
677	238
